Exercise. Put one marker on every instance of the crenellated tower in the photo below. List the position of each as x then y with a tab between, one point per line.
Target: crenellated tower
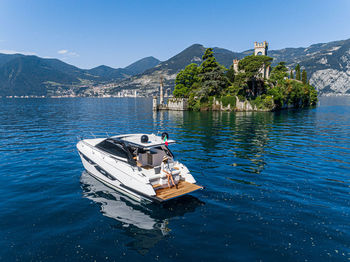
261	48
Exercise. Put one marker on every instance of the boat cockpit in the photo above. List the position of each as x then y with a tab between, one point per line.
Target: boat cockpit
144	157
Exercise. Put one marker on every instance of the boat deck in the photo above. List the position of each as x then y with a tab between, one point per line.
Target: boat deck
183	188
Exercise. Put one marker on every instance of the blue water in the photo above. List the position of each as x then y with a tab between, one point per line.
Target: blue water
277	185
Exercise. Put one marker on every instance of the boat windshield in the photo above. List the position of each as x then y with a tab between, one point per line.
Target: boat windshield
116	149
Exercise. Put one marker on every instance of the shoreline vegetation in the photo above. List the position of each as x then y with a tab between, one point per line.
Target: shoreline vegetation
211	86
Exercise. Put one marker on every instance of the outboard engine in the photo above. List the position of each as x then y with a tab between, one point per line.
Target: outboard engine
144	139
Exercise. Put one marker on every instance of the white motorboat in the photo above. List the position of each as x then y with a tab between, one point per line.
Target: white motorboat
132	164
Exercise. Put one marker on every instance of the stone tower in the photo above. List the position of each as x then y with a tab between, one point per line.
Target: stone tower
155	103
261	48
235	65
161	94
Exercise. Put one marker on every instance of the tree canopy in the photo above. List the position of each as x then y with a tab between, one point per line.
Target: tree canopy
252	65
185	79
230	74
200	84
279	72
212	75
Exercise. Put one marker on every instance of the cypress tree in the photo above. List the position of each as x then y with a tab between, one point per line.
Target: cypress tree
230	74
291	74
212	75
304	77
297	72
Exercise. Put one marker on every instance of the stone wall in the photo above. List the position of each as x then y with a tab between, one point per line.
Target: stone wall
175	104
244	106
179	104
241	106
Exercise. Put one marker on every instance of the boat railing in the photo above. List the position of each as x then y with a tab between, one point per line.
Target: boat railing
90	134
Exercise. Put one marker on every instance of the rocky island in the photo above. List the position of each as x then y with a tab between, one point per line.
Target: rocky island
250	84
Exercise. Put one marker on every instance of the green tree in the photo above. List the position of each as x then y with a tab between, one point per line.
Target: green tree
250	81
212	76
230	74
295	93
200	84
291	74
304	77
185	79
252	65
279	72
297	72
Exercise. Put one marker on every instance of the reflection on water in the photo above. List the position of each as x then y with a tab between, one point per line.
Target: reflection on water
147	224
245	133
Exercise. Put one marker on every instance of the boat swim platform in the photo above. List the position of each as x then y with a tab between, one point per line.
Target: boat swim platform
183	188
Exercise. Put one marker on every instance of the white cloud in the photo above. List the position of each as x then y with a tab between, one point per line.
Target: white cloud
62	52
11	52
67	53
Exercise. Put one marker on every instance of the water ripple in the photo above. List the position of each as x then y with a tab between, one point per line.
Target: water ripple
277	185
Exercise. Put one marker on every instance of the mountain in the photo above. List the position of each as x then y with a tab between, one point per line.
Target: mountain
22	75
31	75
148	82
142	65
108	73
327	65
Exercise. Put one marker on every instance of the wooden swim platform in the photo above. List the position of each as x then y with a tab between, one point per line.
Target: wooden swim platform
183	188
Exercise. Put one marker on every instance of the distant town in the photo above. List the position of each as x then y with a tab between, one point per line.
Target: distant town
97	91
122	93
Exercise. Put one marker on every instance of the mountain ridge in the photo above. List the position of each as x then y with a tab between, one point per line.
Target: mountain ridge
327	64
30	75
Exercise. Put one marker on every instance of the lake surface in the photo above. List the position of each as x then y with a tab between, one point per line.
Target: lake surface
277	185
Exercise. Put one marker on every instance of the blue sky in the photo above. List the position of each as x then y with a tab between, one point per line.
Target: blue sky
89	33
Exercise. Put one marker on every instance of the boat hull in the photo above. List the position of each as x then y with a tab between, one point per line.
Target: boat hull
95	171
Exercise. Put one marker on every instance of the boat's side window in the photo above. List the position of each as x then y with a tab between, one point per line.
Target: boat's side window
112	149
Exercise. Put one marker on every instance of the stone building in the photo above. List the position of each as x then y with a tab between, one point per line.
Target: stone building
259	49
